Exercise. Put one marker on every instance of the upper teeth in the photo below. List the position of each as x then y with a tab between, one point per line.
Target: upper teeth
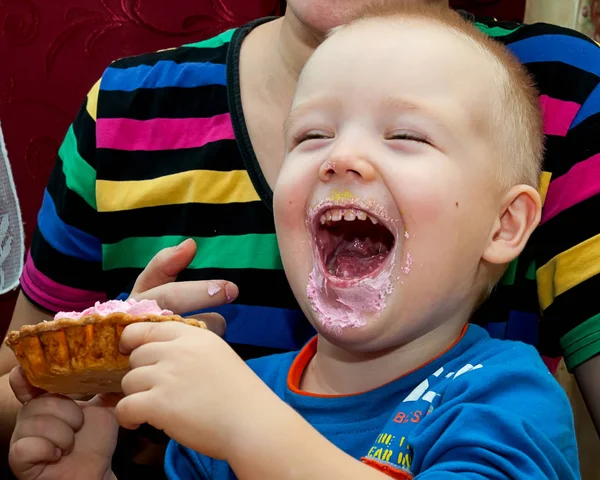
348	214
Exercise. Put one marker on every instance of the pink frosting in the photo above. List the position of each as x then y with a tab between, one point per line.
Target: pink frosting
338	308
133	307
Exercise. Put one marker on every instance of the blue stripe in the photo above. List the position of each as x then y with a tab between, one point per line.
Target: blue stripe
265	326
165	73
65	238
589	108
261	326
520	326
559	48
523	326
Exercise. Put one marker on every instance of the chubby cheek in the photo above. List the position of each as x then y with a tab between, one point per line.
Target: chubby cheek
289	208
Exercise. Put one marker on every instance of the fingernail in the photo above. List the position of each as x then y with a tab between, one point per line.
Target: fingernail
178	247
213	289
227	295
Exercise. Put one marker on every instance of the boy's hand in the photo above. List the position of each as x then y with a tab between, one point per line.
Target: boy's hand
188	382
58	438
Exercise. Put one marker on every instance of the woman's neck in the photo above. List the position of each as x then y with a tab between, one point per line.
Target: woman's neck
336	371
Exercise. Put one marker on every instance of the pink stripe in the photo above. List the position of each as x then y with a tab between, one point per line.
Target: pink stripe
54	296
162	133
558	115
579	184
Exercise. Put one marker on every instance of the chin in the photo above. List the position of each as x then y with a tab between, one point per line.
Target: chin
363	339
323	15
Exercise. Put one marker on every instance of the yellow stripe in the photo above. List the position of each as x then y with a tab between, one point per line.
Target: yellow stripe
92	101
568	270
195	186
544	183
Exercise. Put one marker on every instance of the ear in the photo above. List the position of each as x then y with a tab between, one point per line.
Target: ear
519	215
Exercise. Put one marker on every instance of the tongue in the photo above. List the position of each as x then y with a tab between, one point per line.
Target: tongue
357	258
349	265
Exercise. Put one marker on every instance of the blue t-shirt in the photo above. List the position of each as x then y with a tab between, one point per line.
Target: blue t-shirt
484	409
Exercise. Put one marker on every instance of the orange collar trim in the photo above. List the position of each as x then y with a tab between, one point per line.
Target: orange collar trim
301	362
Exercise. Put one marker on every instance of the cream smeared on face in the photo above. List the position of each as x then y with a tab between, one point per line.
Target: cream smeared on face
354	251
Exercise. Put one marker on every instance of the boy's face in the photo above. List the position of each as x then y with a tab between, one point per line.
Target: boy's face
386	199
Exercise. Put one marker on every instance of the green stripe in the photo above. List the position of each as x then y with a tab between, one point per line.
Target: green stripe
582	343
495	31
531	271
79	175
235	251
214	42
509	276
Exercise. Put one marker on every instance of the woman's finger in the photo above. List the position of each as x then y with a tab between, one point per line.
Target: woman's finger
189	297
23	390
165	266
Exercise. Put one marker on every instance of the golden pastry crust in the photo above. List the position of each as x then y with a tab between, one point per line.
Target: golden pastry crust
79	356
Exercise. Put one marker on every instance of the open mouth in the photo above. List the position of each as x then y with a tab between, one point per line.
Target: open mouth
353	244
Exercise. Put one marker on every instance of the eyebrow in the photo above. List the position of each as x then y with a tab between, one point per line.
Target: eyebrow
406	106
327	103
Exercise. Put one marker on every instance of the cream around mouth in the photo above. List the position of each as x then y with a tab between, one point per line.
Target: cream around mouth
354	248
351	243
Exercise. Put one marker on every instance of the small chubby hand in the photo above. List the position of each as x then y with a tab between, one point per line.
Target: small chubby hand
188	382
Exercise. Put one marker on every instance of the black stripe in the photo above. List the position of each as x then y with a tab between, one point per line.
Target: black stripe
177	55
190	220
257	287
568	229
167	102
580	144
71	208
84	128
64	269
554	157
569	310
222	156
563	82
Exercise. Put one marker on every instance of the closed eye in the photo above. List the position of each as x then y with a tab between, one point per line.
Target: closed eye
409	136
311	135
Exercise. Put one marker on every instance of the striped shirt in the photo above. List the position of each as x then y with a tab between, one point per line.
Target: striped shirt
160	152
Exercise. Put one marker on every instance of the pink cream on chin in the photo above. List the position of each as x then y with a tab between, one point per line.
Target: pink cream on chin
341	307
131	306
339	304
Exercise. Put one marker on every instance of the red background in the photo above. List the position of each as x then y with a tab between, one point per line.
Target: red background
52	51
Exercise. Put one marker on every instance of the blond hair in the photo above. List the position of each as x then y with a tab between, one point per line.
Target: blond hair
515	124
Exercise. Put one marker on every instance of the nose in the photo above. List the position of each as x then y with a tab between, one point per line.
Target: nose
347	167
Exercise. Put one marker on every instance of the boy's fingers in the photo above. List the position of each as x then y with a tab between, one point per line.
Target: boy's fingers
28	453
138	334
165	266
134	411
21	387
214	322
186	297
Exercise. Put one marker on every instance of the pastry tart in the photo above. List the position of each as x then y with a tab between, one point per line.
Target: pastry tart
78	352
